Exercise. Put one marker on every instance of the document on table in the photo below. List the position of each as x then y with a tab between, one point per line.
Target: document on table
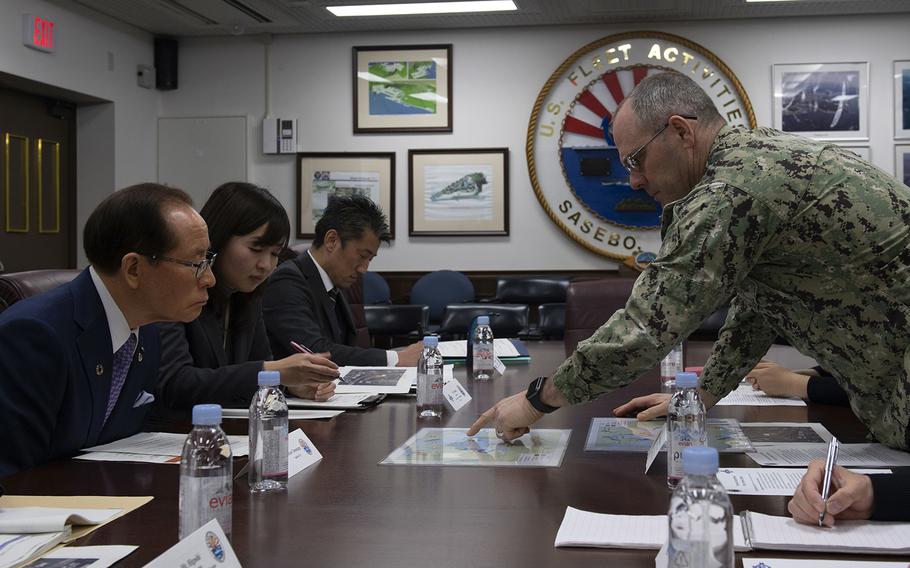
503	348
347	401
84	556
390	380
774	433
123	504
769	480
744	395
161	444
50	519
816	563
750	531
293	414
17	549
848	455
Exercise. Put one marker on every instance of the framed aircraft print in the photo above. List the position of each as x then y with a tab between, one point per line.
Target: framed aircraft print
825	101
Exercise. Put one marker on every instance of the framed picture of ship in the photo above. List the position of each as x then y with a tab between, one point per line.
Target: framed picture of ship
458	192
405	88
323	175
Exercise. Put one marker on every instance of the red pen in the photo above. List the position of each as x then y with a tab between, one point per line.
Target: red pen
301	348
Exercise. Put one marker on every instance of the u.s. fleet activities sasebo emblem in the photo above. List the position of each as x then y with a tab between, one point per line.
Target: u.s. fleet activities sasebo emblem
575	168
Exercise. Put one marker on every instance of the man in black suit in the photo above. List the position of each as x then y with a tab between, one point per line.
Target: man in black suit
303	302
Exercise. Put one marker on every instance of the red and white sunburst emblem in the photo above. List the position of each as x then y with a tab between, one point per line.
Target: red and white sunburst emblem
574	167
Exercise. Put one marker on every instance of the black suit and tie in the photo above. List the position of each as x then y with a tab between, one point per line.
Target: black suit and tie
297	307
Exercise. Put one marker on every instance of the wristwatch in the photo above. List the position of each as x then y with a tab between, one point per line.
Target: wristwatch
535	390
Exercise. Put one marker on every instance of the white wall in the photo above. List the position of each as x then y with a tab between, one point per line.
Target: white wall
497	76
116	141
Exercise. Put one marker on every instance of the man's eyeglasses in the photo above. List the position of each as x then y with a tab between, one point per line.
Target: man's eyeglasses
632	161
200	266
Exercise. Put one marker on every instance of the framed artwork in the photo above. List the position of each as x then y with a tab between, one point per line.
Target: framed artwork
902	163
321	175
405	88
828	101
902	99
863	152
459	192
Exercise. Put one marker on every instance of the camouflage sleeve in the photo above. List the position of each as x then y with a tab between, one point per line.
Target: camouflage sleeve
710	244
741	343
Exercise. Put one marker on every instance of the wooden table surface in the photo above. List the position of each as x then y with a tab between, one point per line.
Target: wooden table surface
348	511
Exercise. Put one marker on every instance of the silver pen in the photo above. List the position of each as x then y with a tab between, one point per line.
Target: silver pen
826	483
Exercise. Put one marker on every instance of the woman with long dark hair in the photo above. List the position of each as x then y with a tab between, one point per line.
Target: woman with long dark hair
217	357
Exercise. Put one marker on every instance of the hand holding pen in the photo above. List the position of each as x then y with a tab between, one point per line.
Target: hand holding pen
306	376
826	481
851	496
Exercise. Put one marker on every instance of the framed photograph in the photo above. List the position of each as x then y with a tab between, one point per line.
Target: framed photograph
902	163
321	175
827	101
405	88
902	99
459	192
863	152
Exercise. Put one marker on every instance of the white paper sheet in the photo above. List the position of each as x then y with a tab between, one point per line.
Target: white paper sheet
391	380
502	347
859	537
18	548
816	563
19	520
769	480
337	402
745	396
848	455
293	414
163	444
774	433
101	556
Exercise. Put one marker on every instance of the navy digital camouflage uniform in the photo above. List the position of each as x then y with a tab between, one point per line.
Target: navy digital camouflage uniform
806	241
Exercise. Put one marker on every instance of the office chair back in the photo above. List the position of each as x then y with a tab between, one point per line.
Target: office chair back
506	320
441	288
16	286
375	289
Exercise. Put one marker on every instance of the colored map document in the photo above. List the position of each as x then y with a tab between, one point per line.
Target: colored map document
631	435
450	446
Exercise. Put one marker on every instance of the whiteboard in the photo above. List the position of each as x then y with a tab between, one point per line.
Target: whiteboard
197	154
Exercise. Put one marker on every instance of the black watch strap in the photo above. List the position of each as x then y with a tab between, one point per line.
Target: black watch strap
535	390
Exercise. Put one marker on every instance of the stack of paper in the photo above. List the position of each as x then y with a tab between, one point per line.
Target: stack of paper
506	349
27	533
153	447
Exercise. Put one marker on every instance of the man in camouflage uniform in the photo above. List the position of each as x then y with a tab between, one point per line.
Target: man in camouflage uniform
804	239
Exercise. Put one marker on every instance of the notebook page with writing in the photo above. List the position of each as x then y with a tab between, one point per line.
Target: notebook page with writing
648	532
864	537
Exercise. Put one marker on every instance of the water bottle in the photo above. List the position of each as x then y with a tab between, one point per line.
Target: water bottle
429	380
700	517
206	473
268	469
685	424
669	366
482	362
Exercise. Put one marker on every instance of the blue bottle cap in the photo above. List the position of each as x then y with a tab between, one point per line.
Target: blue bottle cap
483	320
699	460
207	414
686	380
430	341
269	378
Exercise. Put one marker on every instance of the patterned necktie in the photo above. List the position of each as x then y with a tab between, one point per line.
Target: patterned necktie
333	294
122	360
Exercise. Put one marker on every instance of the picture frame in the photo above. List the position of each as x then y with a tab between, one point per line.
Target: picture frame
902	99
458	192
321	174
402	88
902	163
825	101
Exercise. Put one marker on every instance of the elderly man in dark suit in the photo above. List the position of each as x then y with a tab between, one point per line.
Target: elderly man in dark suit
78	364
303	302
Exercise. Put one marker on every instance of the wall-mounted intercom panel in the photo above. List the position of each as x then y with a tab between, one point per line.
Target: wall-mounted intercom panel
279	136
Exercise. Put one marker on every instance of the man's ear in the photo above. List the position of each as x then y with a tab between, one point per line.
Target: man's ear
683	129
131	267
331	241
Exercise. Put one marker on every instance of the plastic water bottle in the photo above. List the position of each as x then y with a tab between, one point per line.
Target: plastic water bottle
268	470
700	517
482	362
669	366
685	424
429	380
206	473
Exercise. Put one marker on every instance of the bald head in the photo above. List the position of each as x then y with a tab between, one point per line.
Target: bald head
665	94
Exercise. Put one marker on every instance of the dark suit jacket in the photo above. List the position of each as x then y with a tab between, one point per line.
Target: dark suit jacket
52	395
196	369
297	307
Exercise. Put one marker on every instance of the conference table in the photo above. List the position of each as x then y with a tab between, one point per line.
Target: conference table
347	510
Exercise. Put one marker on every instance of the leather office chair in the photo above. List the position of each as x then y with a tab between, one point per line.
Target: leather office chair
439	289
375	289
532	290
390	320
512	319
15	286
590	303
551	322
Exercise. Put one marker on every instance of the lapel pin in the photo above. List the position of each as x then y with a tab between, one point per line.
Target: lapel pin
99	369
139	356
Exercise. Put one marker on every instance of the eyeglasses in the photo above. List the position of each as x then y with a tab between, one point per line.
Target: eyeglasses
632	161
200	266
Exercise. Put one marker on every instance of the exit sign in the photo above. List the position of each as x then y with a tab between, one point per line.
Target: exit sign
38	33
